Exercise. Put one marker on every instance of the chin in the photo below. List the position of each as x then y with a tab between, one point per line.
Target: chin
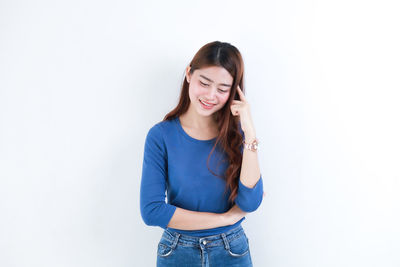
204	114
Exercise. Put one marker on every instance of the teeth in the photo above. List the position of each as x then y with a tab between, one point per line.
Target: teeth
206	104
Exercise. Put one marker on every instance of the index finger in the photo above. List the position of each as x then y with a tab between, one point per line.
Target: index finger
241	94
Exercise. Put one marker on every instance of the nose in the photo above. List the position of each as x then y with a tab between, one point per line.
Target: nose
211	94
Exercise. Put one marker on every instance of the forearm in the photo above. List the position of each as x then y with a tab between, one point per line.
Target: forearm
194	220
250	171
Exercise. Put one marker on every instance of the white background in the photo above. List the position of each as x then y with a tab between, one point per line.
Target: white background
81	83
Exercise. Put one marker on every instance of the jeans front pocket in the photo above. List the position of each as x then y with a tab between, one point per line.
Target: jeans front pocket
164	248
239	247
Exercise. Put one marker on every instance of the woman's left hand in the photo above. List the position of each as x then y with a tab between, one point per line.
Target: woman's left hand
242	108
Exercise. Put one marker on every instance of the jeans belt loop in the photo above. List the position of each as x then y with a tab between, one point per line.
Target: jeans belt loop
176	240
225	241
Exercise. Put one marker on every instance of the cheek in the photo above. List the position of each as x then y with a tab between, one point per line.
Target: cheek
197	91
223	99
193	92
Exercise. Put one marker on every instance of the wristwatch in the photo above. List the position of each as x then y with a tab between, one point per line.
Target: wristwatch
253	146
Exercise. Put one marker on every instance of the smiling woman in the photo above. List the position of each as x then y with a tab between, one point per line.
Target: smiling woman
197	154
203	88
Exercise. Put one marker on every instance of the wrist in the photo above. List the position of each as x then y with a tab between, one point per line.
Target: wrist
249	139
249	136
226	218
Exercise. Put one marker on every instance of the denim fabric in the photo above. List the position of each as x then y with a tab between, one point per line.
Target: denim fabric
226	249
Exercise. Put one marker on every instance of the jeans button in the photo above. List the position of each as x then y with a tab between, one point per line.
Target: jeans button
204	242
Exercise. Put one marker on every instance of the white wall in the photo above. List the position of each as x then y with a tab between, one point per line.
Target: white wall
81	82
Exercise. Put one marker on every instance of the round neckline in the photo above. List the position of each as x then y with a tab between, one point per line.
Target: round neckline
187	136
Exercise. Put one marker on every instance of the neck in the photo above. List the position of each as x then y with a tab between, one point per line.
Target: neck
193	120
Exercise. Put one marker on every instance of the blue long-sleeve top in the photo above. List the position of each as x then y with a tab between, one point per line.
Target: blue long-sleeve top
177	163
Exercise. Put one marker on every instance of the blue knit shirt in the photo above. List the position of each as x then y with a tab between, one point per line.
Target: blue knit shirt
176	163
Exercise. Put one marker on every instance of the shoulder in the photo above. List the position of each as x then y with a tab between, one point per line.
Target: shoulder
158	130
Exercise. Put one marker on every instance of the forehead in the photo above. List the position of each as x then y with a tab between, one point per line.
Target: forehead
215	73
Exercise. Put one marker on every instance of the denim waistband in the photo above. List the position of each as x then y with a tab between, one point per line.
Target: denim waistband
209	241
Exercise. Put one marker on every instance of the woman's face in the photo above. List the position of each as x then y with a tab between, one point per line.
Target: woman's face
210	85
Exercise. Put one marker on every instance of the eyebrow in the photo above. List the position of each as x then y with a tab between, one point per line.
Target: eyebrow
208	79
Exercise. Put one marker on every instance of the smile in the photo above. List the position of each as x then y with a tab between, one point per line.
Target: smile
205	105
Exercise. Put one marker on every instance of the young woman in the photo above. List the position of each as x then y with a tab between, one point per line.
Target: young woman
204	154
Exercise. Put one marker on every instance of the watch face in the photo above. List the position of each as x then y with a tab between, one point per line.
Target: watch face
255	144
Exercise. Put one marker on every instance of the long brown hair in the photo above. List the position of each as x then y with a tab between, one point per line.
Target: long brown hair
230	139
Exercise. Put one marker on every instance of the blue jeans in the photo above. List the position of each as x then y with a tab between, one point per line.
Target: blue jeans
226	249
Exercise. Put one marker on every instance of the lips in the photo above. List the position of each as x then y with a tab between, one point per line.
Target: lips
206	107
211	104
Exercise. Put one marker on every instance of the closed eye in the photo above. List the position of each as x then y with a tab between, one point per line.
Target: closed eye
204	84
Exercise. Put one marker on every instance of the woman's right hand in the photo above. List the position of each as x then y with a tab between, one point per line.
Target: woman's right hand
234	215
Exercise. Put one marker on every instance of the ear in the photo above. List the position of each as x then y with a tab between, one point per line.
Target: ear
188	74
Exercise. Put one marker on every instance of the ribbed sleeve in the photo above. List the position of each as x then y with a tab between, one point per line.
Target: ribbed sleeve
154	210
249	199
